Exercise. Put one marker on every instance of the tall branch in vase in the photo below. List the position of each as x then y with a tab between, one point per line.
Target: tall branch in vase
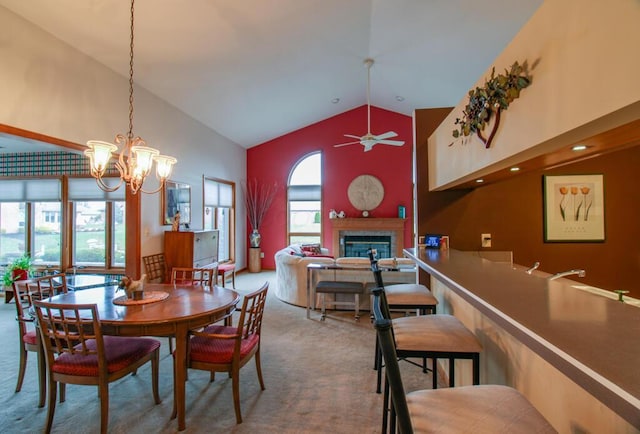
257	199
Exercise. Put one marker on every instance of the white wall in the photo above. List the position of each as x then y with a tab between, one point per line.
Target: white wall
50	88
586	82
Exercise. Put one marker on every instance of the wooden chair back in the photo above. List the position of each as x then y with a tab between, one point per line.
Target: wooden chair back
155	267
23	304
194	276
48	286
67	329
250	320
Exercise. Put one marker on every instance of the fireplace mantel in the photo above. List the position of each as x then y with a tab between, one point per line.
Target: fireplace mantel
395	225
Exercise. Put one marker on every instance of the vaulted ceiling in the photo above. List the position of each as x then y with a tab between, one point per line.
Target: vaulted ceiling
253	70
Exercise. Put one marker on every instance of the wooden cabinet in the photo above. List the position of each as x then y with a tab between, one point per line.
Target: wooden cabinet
190	249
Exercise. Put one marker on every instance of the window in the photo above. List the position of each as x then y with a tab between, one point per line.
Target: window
34	219
219	213
12	233
98	233
30	220
304	200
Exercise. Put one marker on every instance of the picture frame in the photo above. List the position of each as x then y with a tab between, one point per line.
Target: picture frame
574	208
176	197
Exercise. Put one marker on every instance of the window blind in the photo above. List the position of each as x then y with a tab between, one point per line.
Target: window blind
304	192
86	189
30	190
218	194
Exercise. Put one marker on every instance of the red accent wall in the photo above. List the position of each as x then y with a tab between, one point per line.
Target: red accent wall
272	162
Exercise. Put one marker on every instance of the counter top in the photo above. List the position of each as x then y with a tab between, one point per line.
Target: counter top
593	340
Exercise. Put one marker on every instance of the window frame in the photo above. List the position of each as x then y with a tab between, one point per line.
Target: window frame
311	188
214	211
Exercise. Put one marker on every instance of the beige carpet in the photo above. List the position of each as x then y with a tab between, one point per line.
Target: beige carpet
318	375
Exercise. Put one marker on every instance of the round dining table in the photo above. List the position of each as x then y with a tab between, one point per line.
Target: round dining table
173	312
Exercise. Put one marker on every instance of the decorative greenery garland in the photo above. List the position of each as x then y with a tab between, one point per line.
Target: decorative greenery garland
496	95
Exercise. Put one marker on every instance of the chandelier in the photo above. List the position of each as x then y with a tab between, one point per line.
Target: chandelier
136	159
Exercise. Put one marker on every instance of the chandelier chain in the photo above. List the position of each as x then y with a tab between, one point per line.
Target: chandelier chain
130	134
136	159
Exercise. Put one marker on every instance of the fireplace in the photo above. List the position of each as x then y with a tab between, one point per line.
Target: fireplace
359	245
391	229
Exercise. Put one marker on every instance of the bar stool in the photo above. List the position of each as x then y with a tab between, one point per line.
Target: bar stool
426	336
489	408
324	287
405	296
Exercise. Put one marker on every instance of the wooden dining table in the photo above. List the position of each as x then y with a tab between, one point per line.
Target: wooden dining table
184	309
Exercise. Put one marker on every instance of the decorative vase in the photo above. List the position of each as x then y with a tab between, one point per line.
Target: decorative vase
254	238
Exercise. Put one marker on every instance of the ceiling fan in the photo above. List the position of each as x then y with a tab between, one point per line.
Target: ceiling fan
369	140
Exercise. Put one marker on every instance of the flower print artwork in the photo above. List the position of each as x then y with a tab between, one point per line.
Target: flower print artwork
574	208
579	204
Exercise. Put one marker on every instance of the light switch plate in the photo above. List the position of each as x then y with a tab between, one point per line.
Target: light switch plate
485	240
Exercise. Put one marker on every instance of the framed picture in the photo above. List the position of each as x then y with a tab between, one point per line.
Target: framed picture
573	208
176	197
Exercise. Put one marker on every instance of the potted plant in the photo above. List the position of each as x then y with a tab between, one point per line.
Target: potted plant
18	270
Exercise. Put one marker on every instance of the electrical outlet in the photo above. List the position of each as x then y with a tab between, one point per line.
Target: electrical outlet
262	254
486	240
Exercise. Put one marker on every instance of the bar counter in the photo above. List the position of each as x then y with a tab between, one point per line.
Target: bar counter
591	340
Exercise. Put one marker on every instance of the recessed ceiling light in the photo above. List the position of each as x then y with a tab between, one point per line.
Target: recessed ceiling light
399	98
479	180
579	148
335	100
514	169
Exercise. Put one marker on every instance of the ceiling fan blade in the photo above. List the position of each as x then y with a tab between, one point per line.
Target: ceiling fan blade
387	135
391	142
345	144
352	136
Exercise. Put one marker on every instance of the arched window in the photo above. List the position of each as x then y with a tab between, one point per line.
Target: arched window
304	199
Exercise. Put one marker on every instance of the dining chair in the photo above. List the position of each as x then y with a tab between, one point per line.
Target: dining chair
221	348
466	409
155	267
48	285
28	337
194	276
205	277
78	353
25	292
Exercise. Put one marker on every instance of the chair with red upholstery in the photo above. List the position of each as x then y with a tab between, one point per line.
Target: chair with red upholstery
25	292
47	286
78	353
227	349
225	270
194	276
28	337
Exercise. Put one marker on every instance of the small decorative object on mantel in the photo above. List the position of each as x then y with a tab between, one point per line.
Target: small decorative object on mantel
257	199
485	102
333	214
